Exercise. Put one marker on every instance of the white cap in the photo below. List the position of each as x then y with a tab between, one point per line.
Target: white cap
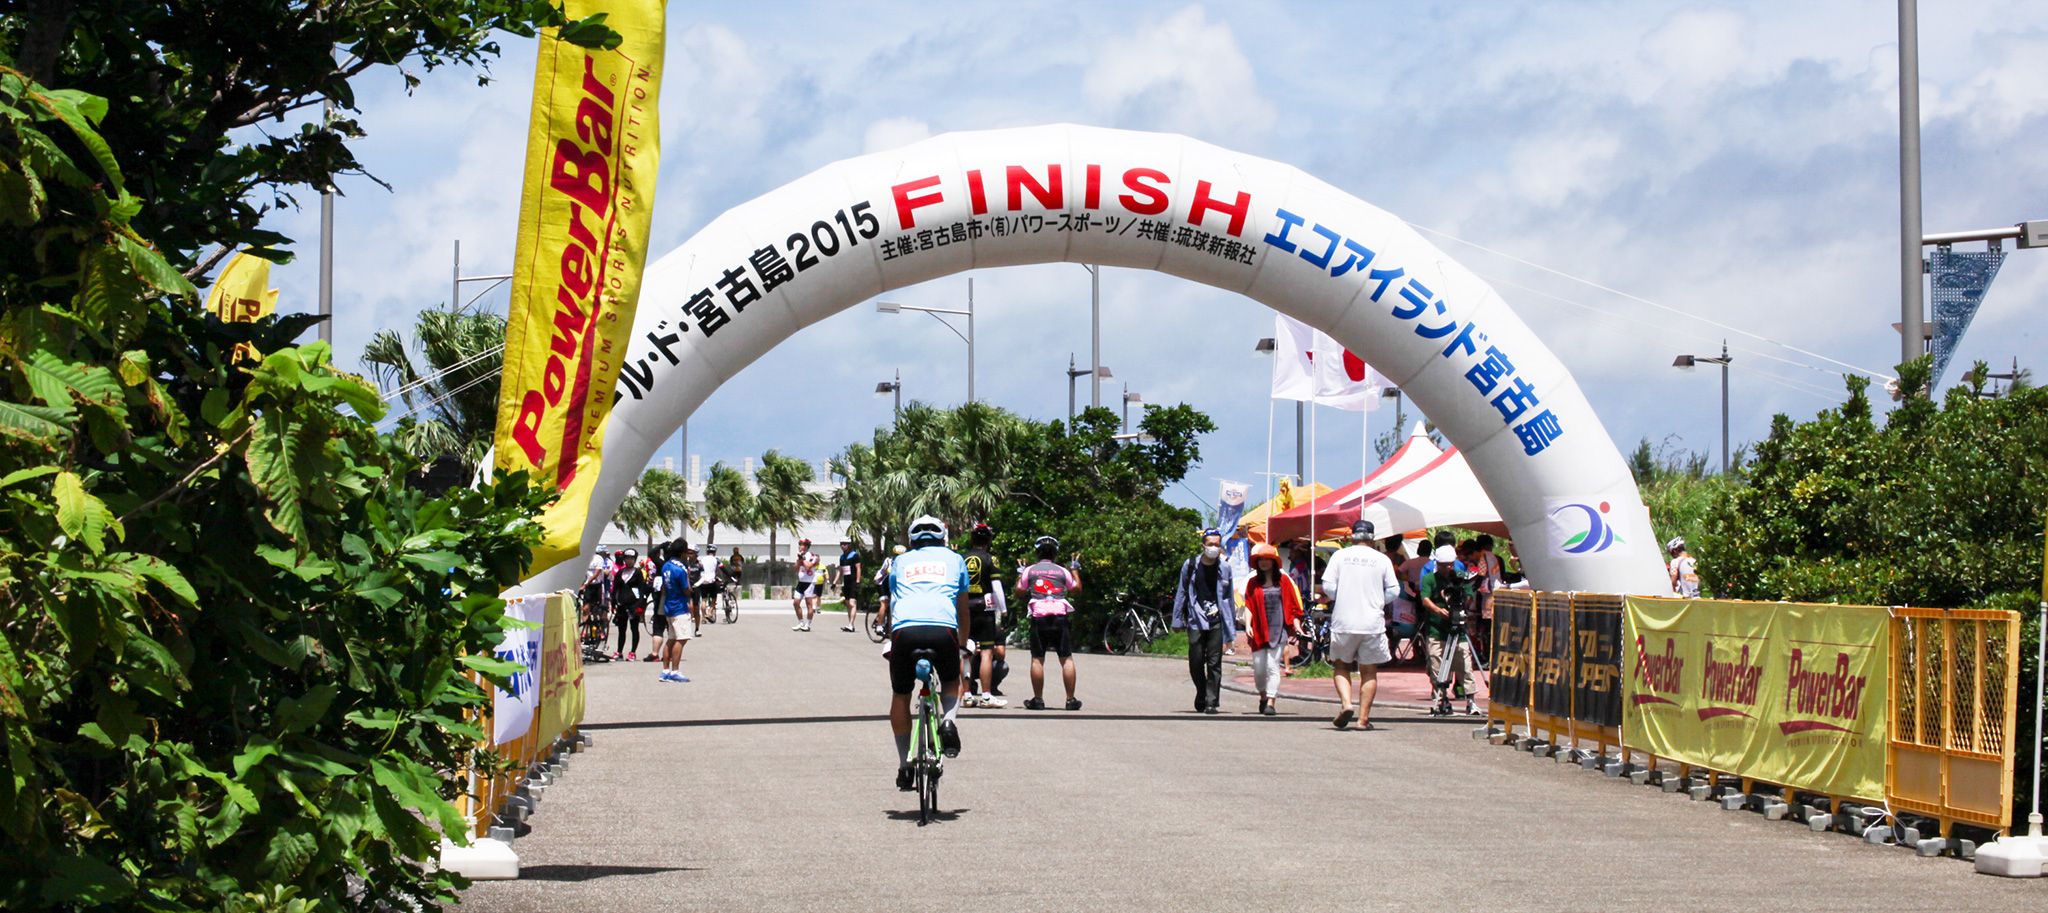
1445	554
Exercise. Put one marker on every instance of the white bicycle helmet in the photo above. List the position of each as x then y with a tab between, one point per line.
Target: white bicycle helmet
927	530
1676	543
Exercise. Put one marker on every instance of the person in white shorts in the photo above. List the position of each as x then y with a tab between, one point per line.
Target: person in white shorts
1359	582
805	596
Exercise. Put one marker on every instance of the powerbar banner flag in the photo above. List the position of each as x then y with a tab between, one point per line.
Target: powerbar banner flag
512	711
591	156
561	685
1787	693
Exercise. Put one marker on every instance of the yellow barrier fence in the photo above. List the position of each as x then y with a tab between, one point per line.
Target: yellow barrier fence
1954	678
1736	699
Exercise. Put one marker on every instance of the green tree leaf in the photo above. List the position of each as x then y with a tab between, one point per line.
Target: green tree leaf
80	515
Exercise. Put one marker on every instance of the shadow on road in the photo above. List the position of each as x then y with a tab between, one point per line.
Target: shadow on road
592	872
1181	716
913	815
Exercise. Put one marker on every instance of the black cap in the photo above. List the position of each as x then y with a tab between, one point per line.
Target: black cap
1362	528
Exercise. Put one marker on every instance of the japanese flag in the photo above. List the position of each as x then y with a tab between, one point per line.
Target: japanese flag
1309	365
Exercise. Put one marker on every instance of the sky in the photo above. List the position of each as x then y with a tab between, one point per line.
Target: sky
1639	180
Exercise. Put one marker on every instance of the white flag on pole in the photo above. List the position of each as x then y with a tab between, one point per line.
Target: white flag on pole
1309	365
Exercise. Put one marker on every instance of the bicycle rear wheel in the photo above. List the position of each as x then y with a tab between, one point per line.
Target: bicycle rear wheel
1116	636
927	764
872	624
730	603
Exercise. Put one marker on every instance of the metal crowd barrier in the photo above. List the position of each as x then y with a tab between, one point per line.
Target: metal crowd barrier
1558	678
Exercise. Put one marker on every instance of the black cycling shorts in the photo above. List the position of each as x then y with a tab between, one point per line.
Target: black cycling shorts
805	589
987	633
660	625
911	643
1051	632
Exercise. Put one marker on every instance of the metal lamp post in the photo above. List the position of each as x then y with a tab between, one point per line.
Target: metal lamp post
1686	363
891	307
895	387
1099	372
1130	398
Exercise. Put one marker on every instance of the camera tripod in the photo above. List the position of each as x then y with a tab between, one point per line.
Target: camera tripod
1449	647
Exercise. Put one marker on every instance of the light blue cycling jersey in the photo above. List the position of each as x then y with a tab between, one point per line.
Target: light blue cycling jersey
923	584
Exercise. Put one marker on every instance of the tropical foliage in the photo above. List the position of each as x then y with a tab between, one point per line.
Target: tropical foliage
727	500
234	647
1098	495
781	502
451	408
659	503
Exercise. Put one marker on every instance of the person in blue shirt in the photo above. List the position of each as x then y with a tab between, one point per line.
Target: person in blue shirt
926	611
675	591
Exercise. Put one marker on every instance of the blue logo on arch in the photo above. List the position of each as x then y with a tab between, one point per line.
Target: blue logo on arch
1580	529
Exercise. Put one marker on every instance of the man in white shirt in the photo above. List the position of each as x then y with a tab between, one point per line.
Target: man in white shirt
1358	582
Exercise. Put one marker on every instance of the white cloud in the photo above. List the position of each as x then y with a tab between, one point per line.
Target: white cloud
894	132
1184	75
1736	161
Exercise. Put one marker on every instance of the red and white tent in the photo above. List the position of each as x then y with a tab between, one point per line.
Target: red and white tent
1419	487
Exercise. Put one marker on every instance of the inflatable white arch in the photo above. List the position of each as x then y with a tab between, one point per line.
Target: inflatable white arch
857	228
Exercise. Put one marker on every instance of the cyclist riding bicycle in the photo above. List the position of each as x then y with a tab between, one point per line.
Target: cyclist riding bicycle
925	615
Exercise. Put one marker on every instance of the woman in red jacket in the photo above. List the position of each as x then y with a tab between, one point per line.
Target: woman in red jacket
1274	603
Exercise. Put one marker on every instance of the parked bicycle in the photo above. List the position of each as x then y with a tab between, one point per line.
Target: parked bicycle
1313	644
1134	625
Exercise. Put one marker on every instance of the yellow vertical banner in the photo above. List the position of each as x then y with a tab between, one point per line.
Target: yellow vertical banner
591	156
1787	693
561	690
242	291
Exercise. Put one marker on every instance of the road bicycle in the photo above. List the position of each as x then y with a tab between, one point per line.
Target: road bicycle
1312	645
1134	625
928	762
729	602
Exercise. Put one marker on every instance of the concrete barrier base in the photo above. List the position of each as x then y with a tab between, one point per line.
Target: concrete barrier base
481	860
2014	857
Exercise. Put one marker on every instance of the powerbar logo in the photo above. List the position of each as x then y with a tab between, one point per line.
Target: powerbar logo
1658	673
1729	683
1834	694
585	179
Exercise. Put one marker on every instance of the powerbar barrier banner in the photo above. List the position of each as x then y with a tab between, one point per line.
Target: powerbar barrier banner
591	156
512	711
561	685
1787	693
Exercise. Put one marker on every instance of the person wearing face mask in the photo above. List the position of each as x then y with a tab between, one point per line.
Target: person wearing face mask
1202	607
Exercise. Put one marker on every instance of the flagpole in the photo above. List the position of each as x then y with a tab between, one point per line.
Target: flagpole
1314	528
1269	448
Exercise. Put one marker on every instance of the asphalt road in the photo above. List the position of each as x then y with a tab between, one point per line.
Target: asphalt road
766	783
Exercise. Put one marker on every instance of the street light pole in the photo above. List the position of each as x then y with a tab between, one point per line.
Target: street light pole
1911	342
895	387
970	339
891	307
1686	363
1099	373
1094	334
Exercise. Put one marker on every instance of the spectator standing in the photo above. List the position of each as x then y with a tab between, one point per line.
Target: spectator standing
631	590
804	595
1358	583
1685	572
1202	607
1045	587
849	580
1274	604
708	585
984	606
675	573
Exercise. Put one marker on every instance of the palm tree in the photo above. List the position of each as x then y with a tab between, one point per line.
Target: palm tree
452	408
659	502
727	500
782	503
